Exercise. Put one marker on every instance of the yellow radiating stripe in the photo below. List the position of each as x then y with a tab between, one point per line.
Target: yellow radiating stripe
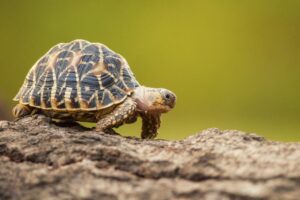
78	88
30	97
111	96
43	104
53	91
67	98
32	70
97	100
51	67
91	98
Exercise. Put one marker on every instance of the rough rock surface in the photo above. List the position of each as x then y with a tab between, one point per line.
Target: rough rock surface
39	160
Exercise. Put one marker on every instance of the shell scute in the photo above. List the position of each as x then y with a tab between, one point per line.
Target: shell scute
76	47
91	49
65	54
117	93
83	69
107	80
113	65
90	81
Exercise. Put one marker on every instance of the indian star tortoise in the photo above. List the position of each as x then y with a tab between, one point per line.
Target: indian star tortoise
88	82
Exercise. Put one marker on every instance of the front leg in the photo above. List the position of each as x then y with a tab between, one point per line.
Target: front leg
131	119
151	123
117	117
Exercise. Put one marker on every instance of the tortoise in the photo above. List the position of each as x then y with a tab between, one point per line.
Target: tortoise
88	82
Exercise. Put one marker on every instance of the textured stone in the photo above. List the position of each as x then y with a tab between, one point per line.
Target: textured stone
39	160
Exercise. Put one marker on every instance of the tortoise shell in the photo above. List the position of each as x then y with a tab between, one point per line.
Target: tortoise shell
75	76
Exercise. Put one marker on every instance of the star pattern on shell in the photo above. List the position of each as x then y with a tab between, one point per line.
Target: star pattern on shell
75	76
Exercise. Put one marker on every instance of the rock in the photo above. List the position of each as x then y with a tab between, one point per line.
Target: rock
39	160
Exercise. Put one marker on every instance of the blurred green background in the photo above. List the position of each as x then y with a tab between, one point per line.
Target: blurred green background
232	64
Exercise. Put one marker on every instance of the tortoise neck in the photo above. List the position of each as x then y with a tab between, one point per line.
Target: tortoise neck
139	96
145	98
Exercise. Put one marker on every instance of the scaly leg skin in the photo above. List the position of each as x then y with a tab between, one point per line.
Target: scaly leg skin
21	110
117	117
131	119
151	123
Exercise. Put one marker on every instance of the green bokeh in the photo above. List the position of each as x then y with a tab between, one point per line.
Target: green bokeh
232	64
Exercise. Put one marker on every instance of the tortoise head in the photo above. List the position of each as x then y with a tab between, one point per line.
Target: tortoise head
154	100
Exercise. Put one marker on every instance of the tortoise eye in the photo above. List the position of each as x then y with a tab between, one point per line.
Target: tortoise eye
167	96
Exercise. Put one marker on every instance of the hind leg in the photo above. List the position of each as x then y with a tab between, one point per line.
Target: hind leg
21	110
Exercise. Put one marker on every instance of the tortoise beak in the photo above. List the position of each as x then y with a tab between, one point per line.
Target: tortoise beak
169	98
172	101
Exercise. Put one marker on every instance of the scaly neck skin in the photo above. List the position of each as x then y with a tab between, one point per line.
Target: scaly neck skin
143	99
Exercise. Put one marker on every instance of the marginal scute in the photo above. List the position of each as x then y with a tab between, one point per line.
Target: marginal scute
117	93
92	103
106	98
86	76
